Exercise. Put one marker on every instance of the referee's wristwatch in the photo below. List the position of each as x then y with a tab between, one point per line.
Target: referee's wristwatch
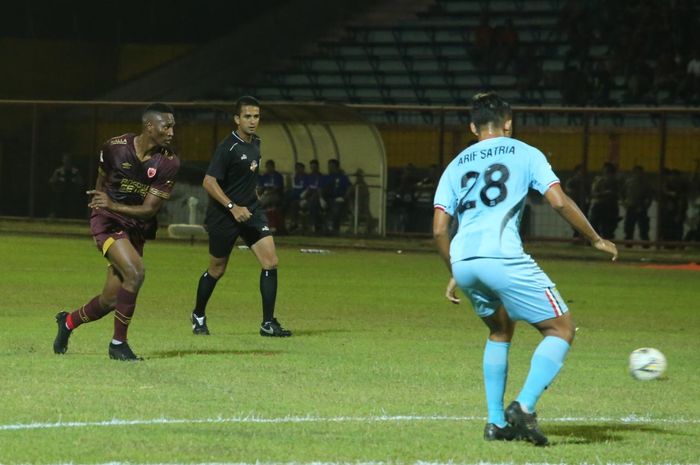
229	205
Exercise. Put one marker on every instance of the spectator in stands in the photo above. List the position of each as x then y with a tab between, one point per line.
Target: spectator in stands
572	13
574	86
335	187
638	84
666	79
271	193
400	200
578	189
637	196
506	43
527	68
579	39
483	45
68	199
312	196
360	193
693	222
423	194
295	203
604	202
691	83
270	186
602	83
674	205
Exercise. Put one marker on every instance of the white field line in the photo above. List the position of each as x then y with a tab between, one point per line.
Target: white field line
311	419
380	463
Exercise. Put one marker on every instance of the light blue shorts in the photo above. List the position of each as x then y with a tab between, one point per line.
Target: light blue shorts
518	283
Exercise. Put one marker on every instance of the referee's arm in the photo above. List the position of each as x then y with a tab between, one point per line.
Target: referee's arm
211	185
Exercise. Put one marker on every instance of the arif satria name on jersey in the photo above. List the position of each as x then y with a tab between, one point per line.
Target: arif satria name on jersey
486	153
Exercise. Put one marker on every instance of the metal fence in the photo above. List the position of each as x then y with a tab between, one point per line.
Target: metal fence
664	142
419	142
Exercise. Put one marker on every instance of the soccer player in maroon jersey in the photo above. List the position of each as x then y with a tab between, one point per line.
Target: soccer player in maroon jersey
135	177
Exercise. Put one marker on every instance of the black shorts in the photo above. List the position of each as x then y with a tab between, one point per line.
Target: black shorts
222	237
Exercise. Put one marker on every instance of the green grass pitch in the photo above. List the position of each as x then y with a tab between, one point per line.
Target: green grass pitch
381	367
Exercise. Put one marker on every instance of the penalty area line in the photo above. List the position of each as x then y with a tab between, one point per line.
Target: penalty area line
311	419
420	462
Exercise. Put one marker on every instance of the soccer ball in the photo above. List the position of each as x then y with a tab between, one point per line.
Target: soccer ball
647	363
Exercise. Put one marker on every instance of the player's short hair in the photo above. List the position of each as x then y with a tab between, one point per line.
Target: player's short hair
157	107
488	107
313	162
245	101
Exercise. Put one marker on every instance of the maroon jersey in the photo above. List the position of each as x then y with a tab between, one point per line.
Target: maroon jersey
128	180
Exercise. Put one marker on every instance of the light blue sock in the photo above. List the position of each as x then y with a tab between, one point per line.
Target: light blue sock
544	367
495	376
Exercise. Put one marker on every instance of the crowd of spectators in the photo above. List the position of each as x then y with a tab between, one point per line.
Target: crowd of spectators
314	202
678	198
410	199
67	191
651	45
616	53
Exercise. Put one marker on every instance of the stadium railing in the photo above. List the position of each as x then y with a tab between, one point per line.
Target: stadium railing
34	134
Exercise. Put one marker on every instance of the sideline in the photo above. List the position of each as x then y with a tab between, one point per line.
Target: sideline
310	419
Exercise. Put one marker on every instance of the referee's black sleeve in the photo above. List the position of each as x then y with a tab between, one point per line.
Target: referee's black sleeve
218	166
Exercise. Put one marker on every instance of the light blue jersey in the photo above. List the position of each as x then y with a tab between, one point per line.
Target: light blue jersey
485	187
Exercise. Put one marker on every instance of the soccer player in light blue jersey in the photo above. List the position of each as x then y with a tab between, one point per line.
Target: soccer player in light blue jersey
485	187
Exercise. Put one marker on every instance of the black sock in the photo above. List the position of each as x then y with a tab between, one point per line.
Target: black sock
204	289
268	292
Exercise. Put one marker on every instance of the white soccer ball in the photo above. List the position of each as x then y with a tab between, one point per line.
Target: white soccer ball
647	363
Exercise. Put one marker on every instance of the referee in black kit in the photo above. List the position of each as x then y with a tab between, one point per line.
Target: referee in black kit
234	211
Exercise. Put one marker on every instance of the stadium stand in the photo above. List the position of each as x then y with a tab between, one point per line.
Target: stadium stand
544	52
428	59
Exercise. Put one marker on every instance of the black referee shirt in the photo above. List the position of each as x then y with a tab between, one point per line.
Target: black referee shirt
235	166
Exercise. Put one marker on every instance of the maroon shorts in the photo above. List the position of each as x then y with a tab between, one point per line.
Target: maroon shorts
107	229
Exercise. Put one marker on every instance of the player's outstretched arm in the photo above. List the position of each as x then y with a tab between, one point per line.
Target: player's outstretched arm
441	234
150	206
568	210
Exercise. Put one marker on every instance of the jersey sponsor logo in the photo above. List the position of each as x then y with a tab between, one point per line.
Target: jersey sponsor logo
118	141
253	165
129	186
265	228
126	165
151	172
244	157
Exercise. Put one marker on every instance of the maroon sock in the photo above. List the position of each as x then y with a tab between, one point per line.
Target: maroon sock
91	311
124	310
